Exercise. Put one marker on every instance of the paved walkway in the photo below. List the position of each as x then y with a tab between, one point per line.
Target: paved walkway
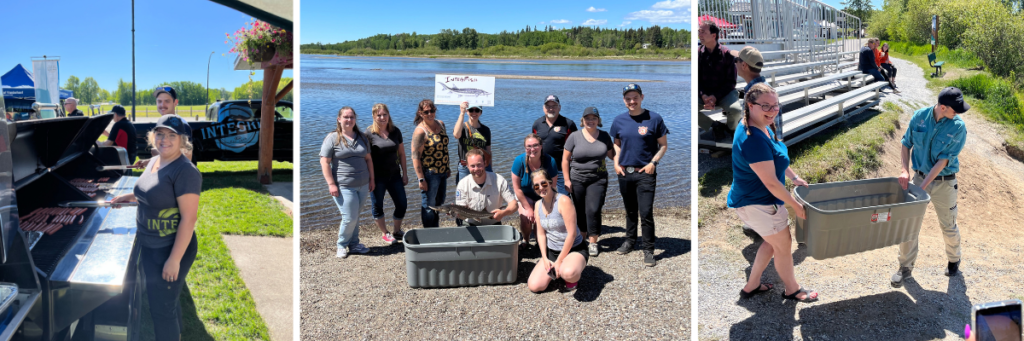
268	271
283	192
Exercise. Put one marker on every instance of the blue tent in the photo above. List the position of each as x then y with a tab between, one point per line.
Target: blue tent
19	84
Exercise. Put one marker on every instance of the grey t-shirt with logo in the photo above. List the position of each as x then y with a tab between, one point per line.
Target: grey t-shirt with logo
157	193
348	163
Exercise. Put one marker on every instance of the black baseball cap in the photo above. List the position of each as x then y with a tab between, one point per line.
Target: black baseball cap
592	111
551	98
953	98
167	90
173	122
117	109
632	87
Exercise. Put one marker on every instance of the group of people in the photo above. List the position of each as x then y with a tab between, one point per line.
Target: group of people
558	185
760	159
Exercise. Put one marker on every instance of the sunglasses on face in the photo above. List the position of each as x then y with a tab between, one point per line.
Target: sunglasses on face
475	110
542	184
428	112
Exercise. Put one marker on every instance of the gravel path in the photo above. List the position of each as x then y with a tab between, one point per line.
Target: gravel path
366	296
857	301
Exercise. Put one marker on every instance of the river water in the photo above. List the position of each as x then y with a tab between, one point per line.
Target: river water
329	83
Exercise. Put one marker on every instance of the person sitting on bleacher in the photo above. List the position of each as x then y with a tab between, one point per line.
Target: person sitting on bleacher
716	82
882	58
868	65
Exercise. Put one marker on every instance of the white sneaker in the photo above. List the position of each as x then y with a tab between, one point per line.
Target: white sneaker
342	253
358	248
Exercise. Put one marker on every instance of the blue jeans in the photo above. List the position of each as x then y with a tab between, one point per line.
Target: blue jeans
437	185
350	201
163	295
396	189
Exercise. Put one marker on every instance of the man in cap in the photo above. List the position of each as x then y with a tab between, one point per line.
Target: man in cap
748	66
71	107
933	141
553	129
122	134
716	82
166	102
641	141
485	191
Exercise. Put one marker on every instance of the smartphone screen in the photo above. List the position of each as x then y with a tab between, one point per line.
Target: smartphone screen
999	321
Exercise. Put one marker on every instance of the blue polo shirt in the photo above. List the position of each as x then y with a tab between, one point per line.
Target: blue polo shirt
638	136
747	188
932	141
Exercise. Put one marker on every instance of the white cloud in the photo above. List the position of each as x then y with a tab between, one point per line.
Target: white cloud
560	21
624	23
592	9
671	4
660	16
541	23
593	22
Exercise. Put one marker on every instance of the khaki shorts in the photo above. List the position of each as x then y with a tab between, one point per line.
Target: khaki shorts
766	220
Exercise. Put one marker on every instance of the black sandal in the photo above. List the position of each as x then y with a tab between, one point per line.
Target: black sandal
807	297
745	295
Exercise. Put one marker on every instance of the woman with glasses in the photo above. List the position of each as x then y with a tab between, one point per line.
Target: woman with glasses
760	165
562	249
430	160
471	134
584	163
348	168
388	153
168	196
522	167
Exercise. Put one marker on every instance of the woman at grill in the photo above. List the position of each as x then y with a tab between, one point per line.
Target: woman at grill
348	168
388	153
430	160
562	248
760	163
168	196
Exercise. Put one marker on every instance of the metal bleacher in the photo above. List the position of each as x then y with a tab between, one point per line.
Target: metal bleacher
810	52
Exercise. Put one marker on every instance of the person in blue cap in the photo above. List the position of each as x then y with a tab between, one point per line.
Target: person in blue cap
168	196
931	146
641	141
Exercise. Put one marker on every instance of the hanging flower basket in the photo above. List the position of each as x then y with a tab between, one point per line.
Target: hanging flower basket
259	42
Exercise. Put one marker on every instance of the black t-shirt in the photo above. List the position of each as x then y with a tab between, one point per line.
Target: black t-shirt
553	137
481	138
76	113
123	134
384	153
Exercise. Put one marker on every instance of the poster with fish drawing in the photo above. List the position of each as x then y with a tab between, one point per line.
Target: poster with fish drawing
455	89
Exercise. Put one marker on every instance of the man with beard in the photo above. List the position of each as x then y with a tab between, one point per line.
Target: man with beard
553	130
484	191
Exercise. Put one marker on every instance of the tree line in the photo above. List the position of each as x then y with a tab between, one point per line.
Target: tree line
468	38
88	91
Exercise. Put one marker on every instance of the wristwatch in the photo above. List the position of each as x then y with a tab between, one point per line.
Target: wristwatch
655	163
422	180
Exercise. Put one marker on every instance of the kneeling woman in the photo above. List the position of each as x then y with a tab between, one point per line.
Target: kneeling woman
561	246
759	162
168	197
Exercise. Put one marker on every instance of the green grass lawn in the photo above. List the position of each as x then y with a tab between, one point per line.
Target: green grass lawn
216	303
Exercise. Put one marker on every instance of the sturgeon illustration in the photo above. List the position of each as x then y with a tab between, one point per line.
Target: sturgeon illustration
462	212
465	91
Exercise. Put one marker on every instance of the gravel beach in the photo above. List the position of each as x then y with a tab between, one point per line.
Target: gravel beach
366	296
857	301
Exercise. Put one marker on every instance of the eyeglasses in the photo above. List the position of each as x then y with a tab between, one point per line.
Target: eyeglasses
542	184
768	107
532	146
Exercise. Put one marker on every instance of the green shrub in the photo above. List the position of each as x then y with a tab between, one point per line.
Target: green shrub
997	96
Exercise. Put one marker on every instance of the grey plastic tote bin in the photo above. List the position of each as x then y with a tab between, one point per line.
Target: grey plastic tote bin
847	217
461	256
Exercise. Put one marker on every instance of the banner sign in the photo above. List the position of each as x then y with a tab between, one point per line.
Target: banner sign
47	84
455	89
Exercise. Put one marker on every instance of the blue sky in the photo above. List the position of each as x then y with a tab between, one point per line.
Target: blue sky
334	21
93	39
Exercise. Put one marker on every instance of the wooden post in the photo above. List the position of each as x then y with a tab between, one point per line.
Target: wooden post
271	78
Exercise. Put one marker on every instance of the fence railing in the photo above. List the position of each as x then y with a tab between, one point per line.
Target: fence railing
772	25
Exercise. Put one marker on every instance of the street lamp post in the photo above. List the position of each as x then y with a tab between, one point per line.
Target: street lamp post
208	82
